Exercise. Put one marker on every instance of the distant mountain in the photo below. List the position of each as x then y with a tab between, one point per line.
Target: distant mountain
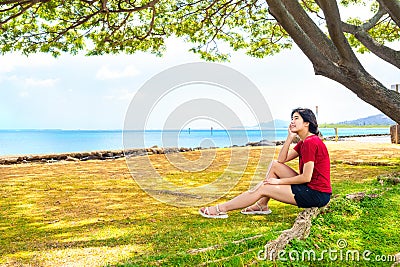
380	119
266	125
275	124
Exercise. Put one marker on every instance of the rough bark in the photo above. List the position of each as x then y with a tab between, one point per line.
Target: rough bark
393	9
365	87
334	24
300	230
309	42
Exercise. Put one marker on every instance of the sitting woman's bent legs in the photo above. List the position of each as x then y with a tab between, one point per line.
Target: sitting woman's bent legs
276	170
282	193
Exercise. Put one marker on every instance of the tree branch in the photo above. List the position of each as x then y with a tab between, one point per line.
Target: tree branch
374	20
150	4
117	27
334	24
14	6
386	53
348	71
104	6
361	33
393	9
320	40
73	26
19	2
17	14
151	24
288	22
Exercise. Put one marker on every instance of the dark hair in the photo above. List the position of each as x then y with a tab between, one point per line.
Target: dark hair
308	116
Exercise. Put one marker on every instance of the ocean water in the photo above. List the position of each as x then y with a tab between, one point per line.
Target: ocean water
21	142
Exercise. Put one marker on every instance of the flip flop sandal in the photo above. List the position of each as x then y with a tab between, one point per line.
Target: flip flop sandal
206	213
250	211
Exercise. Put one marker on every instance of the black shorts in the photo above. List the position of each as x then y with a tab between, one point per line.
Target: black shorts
306	197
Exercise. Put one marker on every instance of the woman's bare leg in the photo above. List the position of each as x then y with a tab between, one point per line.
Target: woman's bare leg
282	193
277	170
263	192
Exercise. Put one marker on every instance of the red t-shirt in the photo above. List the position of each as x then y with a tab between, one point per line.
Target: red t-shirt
313	149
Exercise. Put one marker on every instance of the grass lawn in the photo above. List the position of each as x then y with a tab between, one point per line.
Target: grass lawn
94	214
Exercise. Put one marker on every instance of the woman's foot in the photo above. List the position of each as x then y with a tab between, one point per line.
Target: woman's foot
213	212
256	209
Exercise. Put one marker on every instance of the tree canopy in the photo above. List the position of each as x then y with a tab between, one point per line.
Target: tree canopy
261	28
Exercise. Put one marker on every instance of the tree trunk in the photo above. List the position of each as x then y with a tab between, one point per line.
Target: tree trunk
395	134
334	58
365	87
300	230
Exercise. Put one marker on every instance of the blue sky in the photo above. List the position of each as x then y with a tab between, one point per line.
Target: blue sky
78	92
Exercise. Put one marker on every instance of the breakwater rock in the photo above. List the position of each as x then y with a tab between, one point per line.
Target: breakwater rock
343	137
297	139
116	154
95	155
262	143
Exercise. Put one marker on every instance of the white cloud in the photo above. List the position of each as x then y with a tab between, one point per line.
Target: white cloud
10	62
23	94
40	82
287	80
4	68
120	95
105	73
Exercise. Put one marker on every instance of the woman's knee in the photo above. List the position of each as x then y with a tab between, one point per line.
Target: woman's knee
279	170
275	166
275	162
265	190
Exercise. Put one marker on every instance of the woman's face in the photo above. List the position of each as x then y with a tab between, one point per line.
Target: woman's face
297	124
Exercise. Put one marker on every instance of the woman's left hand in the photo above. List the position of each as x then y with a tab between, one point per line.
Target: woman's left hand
272	181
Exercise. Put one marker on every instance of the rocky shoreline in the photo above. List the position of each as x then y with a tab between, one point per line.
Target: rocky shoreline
94	155
344	137
116	154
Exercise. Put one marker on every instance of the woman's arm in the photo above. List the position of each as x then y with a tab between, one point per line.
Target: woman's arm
285	155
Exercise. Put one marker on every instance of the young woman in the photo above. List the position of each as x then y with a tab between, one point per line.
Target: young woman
310	188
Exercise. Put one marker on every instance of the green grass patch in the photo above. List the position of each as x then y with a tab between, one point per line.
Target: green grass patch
94	214
352	233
